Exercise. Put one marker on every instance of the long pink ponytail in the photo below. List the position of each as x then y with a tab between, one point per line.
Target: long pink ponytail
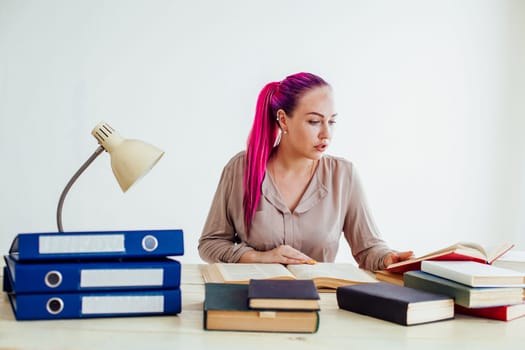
274	96
260	144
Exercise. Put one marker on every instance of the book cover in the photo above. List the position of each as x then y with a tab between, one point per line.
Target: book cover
474	274
464	295
226	309
461	251
501	313
97	245
326	276
398	304
283	294
49	306
65	276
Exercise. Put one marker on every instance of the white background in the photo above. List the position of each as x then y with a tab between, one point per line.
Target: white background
430	96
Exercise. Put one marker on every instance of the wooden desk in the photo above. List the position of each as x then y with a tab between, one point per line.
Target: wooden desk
338	329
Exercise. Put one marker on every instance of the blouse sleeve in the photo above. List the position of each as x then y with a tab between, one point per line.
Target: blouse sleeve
218	241
360	230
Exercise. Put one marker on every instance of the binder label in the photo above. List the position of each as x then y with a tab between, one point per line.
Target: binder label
121	277
81	244
122	304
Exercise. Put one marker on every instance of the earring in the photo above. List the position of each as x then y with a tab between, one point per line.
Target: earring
285	132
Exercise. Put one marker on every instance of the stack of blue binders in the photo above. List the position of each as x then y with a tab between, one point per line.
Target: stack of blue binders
94	274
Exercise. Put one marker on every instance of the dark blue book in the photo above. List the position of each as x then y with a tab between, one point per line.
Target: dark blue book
398	304
283	294
143	244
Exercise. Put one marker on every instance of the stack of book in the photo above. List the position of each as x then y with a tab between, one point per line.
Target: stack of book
478	289
94	274
262	306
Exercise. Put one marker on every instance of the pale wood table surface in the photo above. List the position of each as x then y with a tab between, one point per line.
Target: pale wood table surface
339	329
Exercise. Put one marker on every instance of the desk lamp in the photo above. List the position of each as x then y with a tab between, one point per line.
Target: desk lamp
130	160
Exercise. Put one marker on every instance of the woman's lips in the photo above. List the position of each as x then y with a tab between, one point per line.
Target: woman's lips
322	146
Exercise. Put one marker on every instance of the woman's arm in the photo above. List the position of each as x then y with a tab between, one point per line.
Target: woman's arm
218	241
369	250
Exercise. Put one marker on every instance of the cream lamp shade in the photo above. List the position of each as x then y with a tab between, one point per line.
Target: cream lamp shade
130	160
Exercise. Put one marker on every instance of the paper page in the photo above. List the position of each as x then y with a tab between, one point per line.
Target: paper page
331	270
244	272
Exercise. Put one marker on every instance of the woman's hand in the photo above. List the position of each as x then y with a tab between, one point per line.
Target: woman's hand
283	254
394	257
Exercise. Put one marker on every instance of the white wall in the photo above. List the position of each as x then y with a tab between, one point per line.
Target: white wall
429	95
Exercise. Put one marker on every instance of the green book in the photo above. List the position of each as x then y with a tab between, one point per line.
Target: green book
464	295
226	308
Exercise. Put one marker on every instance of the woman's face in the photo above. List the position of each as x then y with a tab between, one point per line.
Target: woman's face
309	127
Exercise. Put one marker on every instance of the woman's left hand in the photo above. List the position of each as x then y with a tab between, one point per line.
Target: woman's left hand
394	257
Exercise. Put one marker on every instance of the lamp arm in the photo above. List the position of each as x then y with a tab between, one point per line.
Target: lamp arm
84	166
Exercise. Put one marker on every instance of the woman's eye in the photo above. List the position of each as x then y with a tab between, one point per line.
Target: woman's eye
332	122
314	122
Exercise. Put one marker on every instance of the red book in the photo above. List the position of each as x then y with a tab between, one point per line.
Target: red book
502	313
461	251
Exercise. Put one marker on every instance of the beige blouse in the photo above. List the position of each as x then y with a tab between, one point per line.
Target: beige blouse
333	203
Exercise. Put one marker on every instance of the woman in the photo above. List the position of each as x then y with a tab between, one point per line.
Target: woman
284	201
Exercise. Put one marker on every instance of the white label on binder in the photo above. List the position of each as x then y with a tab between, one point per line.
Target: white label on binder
122	304
80	244
121	277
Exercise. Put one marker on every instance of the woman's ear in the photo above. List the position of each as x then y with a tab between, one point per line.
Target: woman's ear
282	120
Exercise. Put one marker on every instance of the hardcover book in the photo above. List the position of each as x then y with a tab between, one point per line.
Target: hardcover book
466	251
474	274
326	276
464	295
226	309
402	305
501	313
283	294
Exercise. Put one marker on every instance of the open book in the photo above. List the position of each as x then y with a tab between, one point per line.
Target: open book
326	276
466	251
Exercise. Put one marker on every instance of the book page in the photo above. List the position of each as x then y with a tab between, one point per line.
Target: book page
473	249
339	271
245	272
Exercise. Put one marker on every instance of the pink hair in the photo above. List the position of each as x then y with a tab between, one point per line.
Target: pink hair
274	96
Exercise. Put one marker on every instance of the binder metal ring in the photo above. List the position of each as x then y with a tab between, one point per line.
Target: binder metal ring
53	279
150	243
55	306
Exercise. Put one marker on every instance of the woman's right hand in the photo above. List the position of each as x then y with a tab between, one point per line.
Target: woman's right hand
283	254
